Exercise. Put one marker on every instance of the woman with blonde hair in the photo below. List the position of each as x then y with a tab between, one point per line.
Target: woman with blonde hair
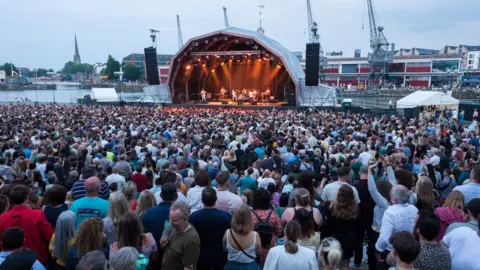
342	222
130	191
146	200
291	255
89	237
329	253
118	206
425	196
241	242
451	211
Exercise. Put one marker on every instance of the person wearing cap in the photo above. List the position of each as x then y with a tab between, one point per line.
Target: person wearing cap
13	256
473	216
91	205
36	229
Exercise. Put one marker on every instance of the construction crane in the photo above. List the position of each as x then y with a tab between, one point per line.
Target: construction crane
225	17
179	33
314	37
382	51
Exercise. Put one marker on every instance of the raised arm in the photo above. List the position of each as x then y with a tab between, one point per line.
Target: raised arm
376	196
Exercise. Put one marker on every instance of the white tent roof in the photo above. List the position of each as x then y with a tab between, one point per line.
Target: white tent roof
104	94
426	98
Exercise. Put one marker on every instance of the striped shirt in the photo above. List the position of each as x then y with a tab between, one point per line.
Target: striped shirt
78	190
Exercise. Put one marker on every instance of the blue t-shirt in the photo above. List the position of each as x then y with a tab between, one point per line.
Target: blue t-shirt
247	182
470	191
211	224
154	220
88	207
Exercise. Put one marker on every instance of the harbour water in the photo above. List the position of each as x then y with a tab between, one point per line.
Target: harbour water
62	95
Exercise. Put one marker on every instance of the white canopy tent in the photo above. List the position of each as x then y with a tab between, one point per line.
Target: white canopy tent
427	98
104	94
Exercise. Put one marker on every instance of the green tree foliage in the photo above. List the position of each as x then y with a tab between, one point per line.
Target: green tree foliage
8	68
132	73
72	68
41	72
112	66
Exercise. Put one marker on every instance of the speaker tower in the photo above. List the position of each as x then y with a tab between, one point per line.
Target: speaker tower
152	66
312	64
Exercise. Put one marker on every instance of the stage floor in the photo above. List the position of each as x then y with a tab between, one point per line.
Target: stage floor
231	104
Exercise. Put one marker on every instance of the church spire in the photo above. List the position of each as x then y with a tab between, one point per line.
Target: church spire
76	57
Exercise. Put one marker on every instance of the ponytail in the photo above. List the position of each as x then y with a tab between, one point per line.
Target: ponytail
290	247
333	257
293	231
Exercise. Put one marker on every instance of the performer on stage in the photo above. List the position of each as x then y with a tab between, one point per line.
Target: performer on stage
234	95
204	95
223	91
250	94
267	93
255	94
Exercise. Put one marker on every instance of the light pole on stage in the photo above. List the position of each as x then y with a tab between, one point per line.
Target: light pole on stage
120	75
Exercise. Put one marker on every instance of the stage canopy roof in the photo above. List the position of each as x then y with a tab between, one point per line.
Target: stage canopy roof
233	41
426	98
104	94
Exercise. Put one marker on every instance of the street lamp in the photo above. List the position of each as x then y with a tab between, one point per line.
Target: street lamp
53	87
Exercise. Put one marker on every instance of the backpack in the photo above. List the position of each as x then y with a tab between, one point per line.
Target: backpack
264	229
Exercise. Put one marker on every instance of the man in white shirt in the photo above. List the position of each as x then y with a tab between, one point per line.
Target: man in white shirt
226	200
116	178
329	193
435	159
463	244
365	156
400	216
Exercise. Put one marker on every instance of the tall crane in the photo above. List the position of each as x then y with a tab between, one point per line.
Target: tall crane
225	17
179	33
382	51
314	37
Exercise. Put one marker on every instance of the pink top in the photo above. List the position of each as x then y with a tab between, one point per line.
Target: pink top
149	246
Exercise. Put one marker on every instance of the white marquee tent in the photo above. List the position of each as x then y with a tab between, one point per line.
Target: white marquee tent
104	94
427	98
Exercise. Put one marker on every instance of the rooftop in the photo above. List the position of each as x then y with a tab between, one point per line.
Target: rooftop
161	58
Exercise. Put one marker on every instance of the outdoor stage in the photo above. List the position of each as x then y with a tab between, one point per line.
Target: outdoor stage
234	105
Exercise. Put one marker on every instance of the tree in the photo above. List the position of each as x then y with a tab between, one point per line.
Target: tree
71	68
8	67
41	72
132	73
112	67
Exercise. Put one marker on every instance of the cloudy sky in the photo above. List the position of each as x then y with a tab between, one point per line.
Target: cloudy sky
41	33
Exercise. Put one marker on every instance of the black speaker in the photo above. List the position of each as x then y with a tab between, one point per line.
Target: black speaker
152	66
254	103
240	102
224	102
291	100
312	64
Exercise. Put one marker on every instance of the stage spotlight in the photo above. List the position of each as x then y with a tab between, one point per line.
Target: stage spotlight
188	66
249	60
259	59
203	65
213	70
278	66
222	63
230	60
217	56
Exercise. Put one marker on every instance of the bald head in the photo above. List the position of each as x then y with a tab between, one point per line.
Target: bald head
92	186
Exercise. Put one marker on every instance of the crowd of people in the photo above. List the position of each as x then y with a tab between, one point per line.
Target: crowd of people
105	187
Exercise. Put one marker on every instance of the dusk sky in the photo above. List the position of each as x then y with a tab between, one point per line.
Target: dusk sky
38	34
